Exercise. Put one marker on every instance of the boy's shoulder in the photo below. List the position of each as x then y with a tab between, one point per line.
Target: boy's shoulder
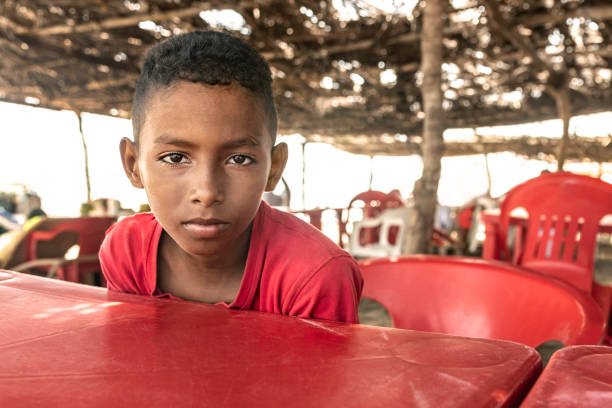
139	218
127	254
288	246
293	235
302	270
137	227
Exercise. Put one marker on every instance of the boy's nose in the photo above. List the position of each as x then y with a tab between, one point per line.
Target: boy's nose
207	189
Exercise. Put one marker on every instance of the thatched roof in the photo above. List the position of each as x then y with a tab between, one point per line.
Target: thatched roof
346	71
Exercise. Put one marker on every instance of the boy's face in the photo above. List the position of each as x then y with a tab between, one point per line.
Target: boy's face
205	157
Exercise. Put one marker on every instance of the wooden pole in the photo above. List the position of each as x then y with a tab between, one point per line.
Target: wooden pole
488	169
371	172
599	169
80	118
304	175
426	188
486	158
564	109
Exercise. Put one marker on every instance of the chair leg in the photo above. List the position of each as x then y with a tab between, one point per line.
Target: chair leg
72	272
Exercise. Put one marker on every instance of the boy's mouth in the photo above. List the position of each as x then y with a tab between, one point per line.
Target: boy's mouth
205	227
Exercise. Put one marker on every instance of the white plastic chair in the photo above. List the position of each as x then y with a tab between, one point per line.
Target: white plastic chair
392	217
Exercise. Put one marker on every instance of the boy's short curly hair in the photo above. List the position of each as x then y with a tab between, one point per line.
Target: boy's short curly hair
209	58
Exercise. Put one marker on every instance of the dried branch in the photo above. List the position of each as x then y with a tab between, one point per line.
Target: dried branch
510	32
119	22
533	147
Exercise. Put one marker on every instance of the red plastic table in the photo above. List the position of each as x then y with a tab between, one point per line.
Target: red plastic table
66	345
577	376
490	218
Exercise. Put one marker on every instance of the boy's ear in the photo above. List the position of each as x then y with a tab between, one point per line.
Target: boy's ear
279	160
129	158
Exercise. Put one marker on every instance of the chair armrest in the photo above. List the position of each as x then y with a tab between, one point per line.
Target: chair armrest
367	223
53	263
37	236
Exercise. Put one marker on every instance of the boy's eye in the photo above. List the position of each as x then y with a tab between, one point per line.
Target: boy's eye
173	158
240	159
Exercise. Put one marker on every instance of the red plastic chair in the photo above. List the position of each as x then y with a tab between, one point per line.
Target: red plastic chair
565	210
479	298
564	214
374	203
46	244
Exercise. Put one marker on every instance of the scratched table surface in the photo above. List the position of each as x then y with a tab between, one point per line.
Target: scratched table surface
70	345
575	376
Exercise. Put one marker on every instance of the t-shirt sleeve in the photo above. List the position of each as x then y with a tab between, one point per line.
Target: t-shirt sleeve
123	257
332	292
111	256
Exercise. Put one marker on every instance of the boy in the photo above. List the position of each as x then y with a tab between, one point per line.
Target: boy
204	151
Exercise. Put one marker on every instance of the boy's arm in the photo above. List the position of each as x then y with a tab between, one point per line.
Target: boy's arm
332	292
117	261
108	269
109	265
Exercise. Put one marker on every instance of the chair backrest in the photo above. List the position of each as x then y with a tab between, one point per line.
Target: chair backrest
479	298
376	202
391	238
52	237
564	212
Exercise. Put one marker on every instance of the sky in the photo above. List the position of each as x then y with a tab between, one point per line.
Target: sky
42	149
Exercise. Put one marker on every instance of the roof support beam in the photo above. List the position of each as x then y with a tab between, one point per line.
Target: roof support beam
542	148
120	22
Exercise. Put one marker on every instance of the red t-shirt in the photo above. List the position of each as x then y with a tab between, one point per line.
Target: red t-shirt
291	268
